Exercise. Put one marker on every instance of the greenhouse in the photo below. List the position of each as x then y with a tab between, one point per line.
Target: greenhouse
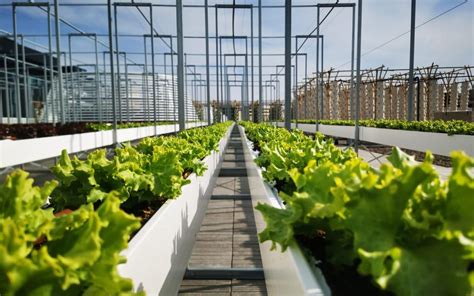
237	147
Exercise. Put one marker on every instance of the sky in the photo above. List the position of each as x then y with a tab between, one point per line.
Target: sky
447	40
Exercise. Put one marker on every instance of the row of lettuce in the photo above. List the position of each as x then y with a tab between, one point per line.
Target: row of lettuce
71	246
411	232
450	127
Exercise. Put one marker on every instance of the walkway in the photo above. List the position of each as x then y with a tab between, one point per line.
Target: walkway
226	257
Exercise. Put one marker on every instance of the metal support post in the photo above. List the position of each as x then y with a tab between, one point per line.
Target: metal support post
7	90
260	75
17	68
179	26
208	87
352	113
112	74
359	38
117	56
319	103
25	78
153	84
186	97
322	79
221	68
127	99
251	62
246	109
288	64
219	119
305	87
316	82
146	103
412	61
59	62
71	75
296	79
97	83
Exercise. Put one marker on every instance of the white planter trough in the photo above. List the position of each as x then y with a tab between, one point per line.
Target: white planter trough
286	273
30	150
438	143
158	254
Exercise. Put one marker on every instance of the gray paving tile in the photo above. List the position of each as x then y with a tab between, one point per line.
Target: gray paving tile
210	262
240	286
213	228
244	237
234	157
247	293
211	294
211	237
188	282
233	164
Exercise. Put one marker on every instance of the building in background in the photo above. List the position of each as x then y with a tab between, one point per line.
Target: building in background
86	91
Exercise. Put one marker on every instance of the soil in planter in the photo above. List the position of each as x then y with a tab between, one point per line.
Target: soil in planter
343	280
144	211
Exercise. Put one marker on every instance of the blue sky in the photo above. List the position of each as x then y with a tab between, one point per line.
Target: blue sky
447	41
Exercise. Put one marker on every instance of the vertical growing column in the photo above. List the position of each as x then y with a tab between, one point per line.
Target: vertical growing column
401	101
348	95
422	98
395	102
311	104
379	99
388	102
327	100
370	100
432	97
441	102
343	101
464	96
402	96
405	101
334	99
363	103
453	97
